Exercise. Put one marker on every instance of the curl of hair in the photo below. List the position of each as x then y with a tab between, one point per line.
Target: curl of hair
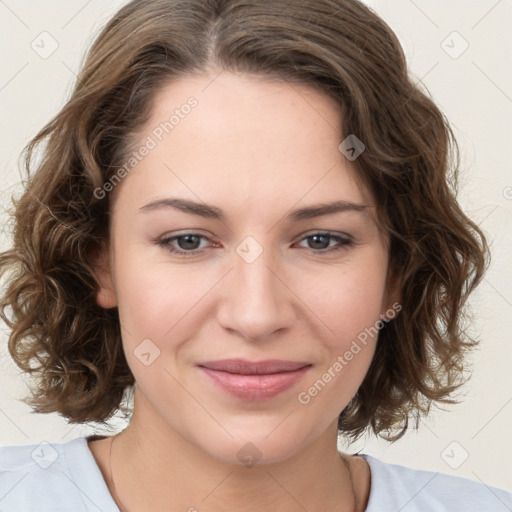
73	348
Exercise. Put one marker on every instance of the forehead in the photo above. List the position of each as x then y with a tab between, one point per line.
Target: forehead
251	140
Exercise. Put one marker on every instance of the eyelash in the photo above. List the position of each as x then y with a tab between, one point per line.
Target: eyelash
344	243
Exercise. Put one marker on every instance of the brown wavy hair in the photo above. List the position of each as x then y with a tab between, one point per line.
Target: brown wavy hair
73	348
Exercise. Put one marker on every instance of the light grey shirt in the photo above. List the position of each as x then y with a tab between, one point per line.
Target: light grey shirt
64	477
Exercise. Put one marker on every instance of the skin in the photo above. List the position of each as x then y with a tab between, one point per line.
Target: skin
256	149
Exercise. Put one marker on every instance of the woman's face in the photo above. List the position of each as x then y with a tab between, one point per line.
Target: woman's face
246	166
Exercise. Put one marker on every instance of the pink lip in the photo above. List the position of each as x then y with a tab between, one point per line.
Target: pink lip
254	380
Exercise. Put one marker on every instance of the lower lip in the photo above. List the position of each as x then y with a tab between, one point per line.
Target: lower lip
255	387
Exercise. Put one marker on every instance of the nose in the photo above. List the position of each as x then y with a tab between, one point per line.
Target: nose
257	302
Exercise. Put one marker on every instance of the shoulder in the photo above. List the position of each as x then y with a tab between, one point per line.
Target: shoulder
395	487
51	477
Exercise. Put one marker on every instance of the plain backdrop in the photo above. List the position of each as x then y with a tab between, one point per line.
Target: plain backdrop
460	50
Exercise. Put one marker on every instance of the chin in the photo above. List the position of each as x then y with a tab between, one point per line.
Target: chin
253	453
256	446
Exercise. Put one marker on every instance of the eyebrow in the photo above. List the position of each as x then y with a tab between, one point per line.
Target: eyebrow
213	212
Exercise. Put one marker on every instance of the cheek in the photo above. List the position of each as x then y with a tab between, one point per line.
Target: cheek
349	303
160	301
348	300
350	307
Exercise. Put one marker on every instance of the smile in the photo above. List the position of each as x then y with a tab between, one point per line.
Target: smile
254	381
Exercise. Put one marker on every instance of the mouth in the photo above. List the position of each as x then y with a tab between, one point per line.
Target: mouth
254	380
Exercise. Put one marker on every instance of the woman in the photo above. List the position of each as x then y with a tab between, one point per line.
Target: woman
243	216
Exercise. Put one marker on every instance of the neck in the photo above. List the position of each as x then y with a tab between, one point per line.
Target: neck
153	466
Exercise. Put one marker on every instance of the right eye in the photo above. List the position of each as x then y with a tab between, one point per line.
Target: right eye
186	243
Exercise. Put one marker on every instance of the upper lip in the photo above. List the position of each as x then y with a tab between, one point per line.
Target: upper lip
244	367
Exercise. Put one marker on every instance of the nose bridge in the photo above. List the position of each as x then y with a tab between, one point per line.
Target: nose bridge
256	303
256	278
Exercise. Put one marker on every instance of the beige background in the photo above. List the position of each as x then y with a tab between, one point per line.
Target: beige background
474	89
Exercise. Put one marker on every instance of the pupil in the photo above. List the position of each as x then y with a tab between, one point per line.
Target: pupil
186	241
315	239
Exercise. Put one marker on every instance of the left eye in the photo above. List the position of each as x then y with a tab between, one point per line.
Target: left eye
319	239
188	243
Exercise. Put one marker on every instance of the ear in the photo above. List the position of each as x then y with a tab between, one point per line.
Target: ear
391	303
106	296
